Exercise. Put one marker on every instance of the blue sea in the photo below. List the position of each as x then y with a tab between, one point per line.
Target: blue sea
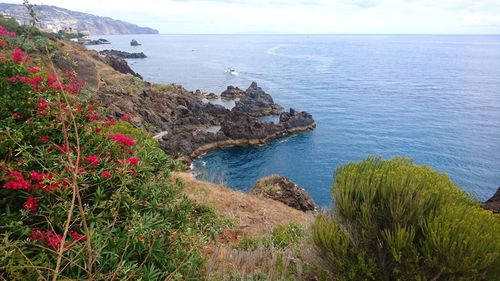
435	99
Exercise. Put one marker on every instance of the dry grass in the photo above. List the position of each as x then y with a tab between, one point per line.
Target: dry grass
254	215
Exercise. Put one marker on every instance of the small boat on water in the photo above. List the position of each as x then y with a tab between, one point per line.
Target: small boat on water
231	71
135	43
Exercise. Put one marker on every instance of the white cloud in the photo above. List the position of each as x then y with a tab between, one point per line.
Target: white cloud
299	16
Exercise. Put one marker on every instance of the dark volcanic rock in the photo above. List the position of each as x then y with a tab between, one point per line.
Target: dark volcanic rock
493	204
211	96
294	119
120	65
99	41
123	55
256	102
284	190
179	118
232	93
187	142
242	126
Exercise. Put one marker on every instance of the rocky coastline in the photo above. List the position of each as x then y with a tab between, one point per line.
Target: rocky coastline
186	123
239	126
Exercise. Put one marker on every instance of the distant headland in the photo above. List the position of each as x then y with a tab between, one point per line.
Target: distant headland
55	19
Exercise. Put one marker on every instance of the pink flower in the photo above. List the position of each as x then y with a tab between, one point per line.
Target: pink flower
44	139
92	159
31	204
17	116
122	139
106	175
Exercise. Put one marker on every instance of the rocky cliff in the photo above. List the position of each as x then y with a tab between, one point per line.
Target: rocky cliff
56	18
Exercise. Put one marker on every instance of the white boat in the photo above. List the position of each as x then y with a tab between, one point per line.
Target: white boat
231	71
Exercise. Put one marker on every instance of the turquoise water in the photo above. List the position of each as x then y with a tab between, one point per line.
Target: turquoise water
435	99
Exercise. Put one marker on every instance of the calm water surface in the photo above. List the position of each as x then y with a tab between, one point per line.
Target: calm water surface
435	99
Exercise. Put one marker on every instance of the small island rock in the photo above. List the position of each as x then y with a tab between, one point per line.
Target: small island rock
282	189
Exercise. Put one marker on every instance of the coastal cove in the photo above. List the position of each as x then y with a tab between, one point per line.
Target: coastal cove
435	99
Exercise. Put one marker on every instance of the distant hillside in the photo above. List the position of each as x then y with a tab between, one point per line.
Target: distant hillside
55	19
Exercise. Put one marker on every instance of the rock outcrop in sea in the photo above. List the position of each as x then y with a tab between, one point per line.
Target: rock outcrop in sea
122	54
238	126
282	189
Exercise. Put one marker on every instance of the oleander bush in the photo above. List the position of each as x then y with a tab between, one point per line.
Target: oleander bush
394	220
83	196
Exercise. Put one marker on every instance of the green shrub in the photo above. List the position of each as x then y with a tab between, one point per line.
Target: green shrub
394	220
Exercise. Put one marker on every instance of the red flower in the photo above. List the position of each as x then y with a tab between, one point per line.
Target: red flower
42	106
28	80
111	121
75	235
93	160
44	139
2	44
31	204
17	115
37	235
18	56
98	129
4	31
53	240
51	79
16	181
125	117
122	139
131	161
92	116
106	175
33	70
63	148
37	177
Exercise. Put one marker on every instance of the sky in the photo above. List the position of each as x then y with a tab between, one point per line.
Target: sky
298	16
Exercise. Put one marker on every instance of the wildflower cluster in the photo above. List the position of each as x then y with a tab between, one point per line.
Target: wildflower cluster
74	179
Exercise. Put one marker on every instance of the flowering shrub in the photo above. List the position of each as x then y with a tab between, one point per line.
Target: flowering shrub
82	196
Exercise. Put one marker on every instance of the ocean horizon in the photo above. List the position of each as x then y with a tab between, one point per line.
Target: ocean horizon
433	98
